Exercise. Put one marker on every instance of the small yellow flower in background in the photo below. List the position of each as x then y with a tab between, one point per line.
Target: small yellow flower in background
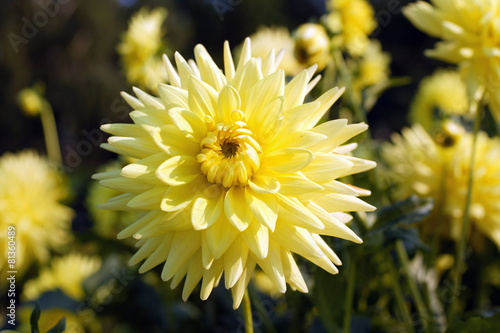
31	101
312	45
232	174
141	48
484	209
439	96
470	33
352	21
278	38
423	167
50	317
30	194
373	67
107	223
66	273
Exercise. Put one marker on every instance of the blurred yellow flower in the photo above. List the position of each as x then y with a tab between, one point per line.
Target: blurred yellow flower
30	101
233	174
423	167
373	67
352	21
107	223
278	38
439	96
312	45
50	317
66	273
30	194
470	33
141	48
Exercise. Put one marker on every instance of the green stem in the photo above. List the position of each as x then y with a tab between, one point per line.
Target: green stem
50	134
345	76
398	294
351	283
417	297
247	312
457	280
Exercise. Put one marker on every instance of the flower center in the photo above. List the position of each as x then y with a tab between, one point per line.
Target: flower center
229	154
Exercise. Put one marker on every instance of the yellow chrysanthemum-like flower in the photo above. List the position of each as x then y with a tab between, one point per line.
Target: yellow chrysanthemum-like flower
373	67
312	45
423	167
233	174
65	273
30	195
107	223
75	323
439	96
278	38
470	31
141	48
352	21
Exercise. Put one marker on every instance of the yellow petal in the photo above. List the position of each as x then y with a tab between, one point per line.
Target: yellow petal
188	123
239	288
179	197
234	262
326	167
261	183
207	208
296	239
292	272
256	237
228	101
296	184
236	209
148	200
209	72
219	236
293	211
202	98
144	169
159	255
210	278
263	207
193	276
288	160
273	267
184	245
343	203
178	170
172	96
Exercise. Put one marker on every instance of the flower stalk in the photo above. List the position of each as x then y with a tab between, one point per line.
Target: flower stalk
247	312
475	108
351	283
50	133
417	297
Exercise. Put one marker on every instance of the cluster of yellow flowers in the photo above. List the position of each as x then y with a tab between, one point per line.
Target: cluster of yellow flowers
440	96
351	22
470	33
141	48
233	173
439	170
31	191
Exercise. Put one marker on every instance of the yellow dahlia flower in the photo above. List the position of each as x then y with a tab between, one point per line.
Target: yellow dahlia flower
439	96
141	47
312	45
352	21
470	31
30	195
233	174
280	39
423	167
65	273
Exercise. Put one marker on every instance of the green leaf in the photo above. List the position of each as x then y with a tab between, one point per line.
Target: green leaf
60	326
35	316
411	210
477	325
